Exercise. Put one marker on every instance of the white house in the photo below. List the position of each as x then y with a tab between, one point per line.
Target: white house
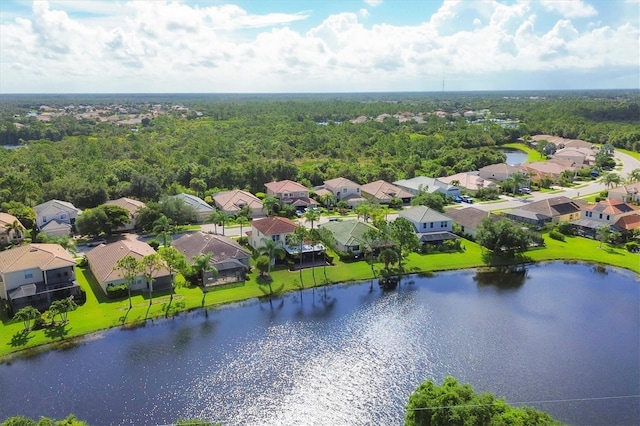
427	184
345	190
274	228
60	211
429	224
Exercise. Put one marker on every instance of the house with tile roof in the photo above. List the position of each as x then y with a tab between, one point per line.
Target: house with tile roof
36	275
103	263
349	235
383	192
202	209
430	225
7	234
469	219
61	211
344	190
606	212
274	228
130	205
579	156
498	172
471	181
628	193
427	184
290	192
232	202
229	258
551	210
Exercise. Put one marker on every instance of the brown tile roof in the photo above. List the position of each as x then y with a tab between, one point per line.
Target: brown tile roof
233	201
633	188
384	191
43	256
469	217
613	207
500	168
628	222
131	205
7	219
285	186
104	258
553	207
200	243
274	225
340	182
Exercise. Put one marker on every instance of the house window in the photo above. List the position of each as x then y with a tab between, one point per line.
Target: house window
424	226
63	216
600	215
443	224
44	219
275	237
608	217
431	225
28	275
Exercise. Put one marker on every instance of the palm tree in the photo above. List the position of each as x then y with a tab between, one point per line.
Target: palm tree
602	233
314	238
327	199
272	249
164	229
151	264
297	238
15	227
329	241
270	204
518	180
175	262
311	216
242	221
130	268
221	218
611	180
388	256
25	315
634	176
202	264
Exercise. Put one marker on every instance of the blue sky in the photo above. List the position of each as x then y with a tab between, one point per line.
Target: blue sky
317	46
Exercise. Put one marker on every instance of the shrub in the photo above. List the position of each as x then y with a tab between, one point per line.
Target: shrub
633	247
556	235
117	291
565	228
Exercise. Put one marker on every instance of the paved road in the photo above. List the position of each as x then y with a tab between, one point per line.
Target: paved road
628	164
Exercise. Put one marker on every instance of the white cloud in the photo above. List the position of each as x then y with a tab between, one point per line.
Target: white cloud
364	13
373	3
175	47
570	8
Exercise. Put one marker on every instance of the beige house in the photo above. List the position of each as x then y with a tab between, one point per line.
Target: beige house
232	202
471	181
36	275
7	234
608	211
130	205
103	262
290	192
629	193
383	192
468	219
499	172
579	156
551	210
345	190
274	228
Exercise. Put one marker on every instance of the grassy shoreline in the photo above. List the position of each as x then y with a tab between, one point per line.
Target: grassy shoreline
100	313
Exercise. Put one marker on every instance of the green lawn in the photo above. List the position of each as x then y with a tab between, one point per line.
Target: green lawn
532	154
100	313
634	154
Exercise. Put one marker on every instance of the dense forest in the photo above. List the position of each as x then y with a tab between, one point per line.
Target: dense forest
243	141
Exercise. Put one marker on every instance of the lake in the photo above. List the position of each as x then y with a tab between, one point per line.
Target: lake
567	334
515	157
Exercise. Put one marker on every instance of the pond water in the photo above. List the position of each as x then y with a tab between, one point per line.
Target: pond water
515	157
567	334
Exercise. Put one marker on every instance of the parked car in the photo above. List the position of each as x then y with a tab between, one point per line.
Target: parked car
466	199
525	190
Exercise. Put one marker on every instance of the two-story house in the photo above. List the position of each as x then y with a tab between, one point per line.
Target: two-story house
273	228
56	217
11	230
430	225
36	275
290	192
345	190
130	205
606	212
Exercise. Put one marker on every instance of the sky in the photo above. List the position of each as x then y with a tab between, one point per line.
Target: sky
298	46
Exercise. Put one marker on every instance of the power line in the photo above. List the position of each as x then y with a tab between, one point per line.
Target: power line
599	398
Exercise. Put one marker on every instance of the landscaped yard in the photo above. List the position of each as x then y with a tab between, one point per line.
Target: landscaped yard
100	313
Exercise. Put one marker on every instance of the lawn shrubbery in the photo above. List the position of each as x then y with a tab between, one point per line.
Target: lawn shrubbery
556	235
117	291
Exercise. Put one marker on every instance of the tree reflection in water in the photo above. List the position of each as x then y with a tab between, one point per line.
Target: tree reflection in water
502	277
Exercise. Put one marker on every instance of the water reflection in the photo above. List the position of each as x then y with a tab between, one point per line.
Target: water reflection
352	356
502	277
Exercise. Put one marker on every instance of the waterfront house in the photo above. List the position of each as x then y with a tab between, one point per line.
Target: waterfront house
468	219
606	212
274	228
551	210
349	235
430	225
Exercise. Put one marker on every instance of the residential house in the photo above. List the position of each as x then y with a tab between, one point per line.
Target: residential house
469	219
579	156
232	202
551	210
430	225
103	262
202	209
56	228
36	275
7	234
344	190
57	210
606	212
551	169
427	184
498	172
290	192
628	193
130	205
471	181
349	235
229	258
383	192
274	228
